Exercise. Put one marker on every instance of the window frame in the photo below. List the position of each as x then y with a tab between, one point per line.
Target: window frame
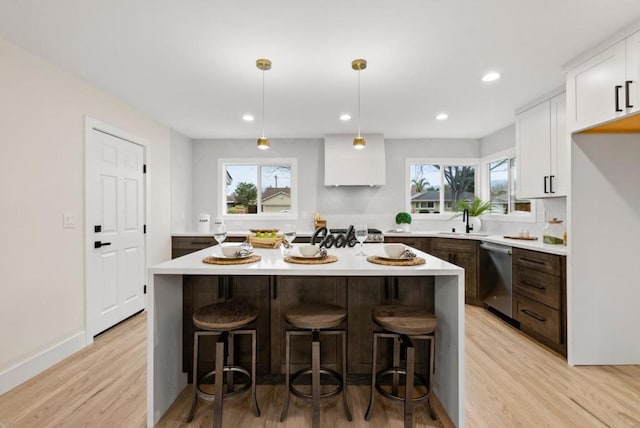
475	162
518	216
259	162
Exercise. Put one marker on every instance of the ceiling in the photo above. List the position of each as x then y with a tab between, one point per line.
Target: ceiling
191	64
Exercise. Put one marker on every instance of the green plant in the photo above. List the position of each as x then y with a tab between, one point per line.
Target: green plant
476	208
403	218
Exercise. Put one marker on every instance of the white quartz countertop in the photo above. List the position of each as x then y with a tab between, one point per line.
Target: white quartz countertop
272	263
496	239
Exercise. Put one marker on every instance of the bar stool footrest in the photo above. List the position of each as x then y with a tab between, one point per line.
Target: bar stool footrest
331	373
397	370
244	387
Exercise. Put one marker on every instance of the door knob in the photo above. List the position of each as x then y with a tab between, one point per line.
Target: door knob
99	244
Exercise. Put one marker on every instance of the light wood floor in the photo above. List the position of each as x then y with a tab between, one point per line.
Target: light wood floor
510	382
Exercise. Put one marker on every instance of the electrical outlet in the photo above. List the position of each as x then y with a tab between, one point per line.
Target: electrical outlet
69	220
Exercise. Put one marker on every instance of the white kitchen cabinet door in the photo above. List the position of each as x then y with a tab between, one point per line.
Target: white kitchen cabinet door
559	150
596	89
632	98
533	145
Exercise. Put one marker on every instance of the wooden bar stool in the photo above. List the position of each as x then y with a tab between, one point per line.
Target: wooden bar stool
225	321
403	324
316	320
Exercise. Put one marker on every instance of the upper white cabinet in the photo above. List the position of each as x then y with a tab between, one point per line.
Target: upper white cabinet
604	87
541	150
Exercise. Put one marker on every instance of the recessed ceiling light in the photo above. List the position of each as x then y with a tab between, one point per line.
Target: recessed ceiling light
490	77
247	118
442	116
345	117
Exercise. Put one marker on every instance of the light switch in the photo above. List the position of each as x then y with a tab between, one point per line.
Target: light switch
69	220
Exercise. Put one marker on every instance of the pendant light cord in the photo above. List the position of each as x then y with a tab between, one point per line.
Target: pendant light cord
262	103
358	103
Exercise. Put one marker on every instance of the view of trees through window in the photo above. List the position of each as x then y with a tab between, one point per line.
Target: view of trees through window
502	188
437	188
258	189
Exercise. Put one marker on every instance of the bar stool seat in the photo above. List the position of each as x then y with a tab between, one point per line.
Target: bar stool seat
403	324
224	320
313	318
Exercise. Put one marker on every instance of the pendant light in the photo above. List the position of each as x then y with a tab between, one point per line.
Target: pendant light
264	65
359	65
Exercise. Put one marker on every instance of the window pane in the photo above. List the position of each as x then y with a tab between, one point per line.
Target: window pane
242	189
517	204
499	186
276	189
425	183
460	185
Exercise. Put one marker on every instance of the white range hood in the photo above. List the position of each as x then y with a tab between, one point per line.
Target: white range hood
346	166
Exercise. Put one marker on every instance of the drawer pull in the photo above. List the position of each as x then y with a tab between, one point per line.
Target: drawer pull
533	315
528	284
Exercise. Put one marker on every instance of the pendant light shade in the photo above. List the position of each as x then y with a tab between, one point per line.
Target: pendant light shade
264	65
359	65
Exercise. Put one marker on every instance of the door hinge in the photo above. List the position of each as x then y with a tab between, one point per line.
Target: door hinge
144	289
144	229
144	168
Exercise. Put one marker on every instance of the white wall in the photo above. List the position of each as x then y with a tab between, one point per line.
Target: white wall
603	269
499	141
42	117
181	184
341	206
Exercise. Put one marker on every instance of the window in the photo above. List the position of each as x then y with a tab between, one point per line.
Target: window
438	187
502	188
263	188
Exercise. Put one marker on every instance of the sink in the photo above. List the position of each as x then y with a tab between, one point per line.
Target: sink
464	234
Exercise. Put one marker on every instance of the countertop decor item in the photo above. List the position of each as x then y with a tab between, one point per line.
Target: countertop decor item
404	220
397	262
553	232
213	260
311	261
259	242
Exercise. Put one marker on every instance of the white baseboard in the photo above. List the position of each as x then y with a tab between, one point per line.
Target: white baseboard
25	370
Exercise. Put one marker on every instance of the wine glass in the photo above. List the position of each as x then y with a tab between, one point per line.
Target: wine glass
361	232
220	233
288	234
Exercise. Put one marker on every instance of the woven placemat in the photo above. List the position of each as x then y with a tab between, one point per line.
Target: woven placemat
310	261
213	260
391	262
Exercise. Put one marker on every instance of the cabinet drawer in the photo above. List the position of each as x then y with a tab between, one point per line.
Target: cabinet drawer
537	285
193	243
543	262
449	244
537	319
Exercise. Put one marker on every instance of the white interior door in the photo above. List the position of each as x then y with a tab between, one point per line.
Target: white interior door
115	204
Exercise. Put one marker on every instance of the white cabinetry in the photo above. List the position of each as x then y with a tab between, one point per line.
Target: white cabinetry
605	86
541	150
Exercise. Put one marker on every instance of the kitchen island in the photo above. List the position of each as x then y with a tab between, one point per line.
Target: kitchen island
165	375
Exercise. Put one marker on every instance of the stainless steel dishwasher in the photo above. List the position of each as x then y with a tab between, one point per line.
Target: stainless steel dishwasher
495	277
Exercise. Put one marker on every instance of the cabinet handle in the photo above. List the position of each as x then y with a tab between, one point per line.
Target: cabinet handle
627	96
528	284
617	90
551	177
273	283
533	315
545	184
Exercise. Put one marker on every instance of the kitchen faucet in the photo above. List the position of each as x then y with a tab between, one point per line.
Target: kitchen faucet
465	218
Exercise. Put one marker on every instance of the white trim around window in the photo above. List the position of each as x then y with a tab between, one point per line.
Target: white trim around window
484	186
475	162
221	208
